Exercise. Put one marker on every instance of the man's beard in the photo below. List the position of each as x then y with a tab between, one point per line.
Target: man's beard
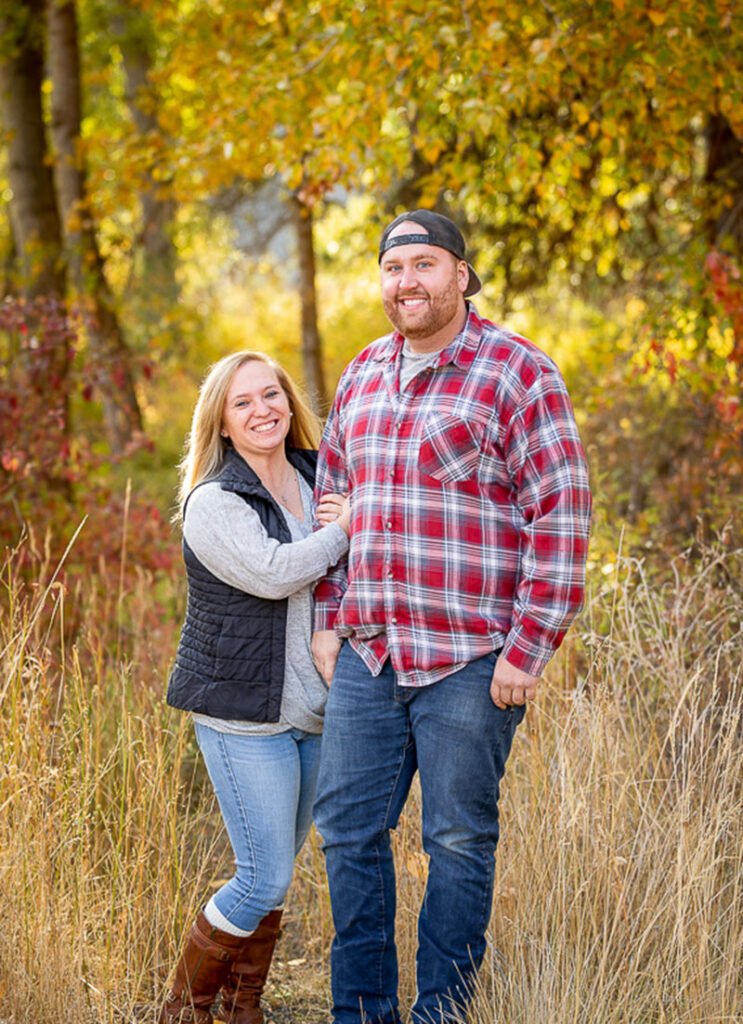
427	320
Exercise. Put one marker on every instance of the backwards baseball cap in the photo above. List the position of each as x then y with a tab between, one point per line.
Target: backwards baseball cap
440	231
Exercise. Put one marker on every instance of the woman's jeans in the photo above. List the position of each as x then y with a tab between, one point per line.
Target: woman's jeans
376	735
265	786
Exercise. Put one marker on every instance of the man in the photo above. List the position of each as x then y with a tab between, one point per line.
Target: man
470	520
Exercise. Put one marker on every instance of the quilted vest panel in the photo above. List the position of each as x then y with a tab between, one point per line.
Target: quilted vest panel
231	654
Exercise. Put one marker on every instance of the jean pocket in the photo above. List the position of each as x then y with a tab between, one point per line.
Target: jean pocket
513	717
450	448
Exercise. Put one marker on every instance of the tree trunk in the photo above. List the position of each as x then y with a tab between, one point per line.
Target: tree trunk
158	212
33	208
160	258
725	173
311	342
8	286
110	356
42	370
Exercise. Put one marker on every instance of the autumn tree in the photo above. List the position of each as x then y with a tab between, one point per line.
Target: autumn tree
272	138
574	134
310	331
33	208
108	352
132	28
38	353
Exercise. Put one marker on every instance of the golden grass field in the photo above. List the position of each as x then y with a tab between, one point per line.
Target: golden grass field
619	895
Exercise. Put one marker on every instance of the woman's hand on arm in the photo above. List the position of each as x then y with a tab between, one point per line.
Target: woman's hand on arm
227	537
334	508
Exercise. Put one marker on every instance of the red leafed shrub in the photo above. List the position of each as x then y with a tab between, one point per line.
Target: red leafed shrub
726	288
55	469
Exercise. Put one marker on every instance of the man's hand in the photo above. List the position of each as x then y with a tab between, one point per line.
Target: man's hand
511	686
325	647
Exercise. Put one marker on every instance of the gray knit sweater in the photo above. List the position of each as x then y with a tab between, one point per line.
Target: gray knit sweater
227	537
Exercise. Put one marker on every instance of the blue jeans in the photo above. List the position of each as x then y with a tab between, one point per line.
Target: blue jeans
376	735
265	786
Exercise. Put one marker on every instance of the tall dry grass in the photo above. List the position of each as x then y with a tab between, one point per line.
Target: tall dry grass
619	892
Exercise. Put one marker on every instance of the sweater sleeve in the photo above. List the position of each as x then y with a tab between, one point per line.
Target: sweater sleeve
227	537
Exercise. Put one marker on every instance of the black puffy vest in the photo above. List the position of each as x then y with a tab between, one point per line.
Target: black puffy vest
231	654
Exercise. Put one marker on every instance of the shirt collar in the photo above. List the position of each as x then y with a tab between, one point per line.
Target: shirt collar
460	350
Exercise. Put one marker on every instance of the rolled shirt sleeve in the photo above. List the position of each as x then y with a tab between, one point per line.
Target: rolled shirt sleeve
547	465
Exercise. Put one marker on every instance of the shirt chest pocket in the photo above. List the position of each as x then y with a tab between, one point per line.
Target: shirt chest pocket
450	448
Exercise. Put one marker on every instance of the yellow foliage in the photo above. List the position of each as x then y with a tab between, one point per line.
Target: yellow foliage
581	112
721	340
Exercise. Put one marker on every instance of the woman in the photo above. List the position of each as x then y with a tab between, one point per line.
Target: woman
243	666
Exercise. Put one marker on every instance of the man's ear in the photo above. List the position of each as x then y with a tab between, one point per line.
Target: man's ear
463	275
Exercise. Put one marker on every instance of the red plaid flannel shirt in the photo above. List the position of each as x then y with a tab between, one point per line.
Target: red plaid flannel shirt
470	506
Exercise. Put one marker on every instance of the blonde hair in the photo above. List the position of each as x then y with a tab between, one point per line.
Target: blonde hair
205	446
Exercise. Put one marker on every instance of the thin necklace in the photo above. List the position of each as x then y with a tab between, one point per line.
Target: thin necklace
281	493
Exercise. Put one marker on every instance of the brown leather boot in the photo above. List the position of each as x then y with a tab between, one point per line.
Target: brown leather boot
202	968
241	992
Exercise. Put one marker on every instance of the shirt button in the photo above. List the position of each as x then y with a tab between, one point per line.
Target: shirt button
393	620
389	524
390	574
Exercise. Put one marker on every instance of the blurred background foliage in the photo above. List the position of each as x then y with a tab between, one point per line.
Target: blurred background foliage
182	178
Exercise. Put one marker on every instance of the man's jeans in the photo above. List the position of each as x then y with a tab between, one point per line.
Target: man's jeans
265	786
376	735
